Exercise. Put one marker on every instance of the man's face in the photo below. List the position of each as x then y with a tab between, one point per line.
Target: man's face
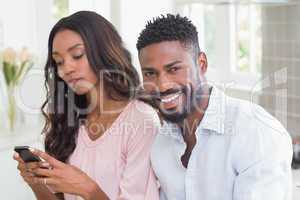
171	79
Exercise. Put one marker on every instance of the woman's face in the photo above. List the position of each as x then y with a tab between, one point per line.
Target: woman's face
72	63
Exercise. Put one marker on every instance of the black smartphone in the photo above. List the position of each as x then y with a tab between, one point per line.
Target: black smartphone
26	154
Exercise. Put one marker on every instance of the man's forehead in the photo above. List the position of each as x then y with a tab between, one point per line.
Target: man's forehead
164	46
161	54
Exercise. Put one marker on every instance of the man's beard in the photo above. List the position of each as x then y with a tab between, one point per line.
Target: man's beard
188	105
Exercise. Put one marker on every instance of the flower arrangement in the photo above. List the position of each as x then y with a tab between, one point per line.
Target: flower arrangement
15	66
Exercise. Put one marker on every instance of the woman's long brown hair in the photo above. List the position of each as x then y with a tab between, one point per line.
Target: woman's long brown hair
105	53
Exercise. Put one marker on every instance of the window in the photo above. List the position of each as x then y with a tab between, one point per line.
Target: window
246	38
60	9
230	35
204	18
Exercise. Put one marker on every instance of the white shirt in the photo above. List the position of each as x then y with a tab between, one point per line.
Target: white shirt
242	153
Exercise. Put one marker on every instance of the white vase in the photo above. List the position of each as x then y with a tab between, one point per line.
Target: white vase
13	117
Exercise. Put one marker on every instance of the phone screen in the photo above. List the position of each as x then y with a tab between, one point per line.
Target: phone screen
26	154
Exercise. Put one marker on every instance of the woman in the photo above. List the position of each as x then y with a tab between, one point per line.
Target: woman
97	136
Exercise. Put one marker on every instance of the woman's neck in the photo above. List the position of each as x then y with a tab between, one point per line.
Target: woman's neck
102	104
104	111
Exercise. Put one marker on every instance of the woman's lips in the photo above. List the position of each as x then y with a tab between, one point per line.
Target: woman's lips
73	82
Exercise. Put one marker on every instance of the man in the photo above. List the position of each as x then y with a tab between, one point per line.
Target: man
211	146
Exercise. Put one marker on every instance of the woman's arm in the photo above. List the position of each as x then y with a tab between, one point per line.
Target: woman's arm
138	180
41	192
93	192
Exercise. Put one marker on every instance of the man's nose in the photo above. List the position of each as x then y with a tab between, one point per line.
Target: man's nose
164	84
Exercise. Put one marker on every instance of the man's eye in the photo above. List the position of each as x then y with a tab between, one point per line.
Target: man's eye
173	69
148	74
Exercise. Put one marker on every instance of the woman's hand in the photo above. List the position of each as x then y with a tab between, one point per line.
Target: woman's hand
26	169
63	177
41	191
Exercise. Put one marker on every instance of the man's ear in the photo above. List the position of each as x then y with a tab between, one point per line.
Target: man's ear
202	62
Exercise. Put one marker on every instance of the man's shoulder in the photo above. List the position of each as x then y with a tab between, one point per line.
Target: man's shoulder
246	115
257	135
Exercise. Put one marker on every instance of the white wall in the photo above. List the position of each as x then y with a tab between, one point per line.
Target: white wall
27	23
24	23
100	6
12	186
133	17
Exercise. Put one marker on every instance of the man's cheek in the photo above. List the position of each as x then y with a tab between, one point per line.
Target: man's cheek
149	86
150	91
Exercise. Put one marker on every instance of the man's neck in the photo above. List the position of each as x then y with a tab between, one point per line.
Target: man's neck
190	124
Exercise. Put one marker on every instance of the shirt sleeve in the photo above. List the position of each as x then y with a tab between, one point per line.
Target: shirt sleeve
138	181
263	165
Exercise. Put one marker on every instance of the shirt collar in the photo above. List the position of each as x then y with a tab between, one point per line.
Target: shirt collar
172	130
213	119
214	116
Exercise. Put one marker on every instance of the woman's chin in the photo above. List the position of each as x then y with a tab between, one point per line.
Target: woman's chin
80	91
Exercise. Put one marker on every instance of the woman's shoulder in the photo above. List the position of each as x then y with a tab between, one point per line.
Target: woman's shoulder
141	108
142	122
139	111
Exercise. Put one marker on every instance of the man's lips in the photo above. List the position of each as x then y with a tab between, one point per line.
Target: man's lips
170	97
169	101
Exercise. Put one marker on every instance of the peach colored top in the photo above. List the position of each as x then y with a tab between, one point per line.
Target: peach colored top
119	160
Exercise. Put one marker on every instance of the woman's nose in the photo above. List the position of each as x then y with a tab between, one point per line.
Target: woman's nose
67	69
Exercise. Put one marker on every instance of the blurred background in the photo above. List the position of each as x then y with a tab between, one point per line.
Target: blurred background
253	49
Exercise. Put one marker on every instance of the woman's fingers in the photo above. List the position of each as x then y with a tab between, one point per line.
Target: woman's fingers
49	159
25	166
44	172
32	165
17	157
44	181
21	167
27	169
45	165
27	174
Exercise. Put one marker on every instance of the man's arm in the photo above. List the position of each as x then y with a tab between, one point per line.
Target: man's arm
263	165
264	180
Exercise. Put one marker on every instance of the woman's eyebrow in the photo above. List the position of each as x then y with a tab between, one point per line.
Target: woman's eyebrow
74	46
69	49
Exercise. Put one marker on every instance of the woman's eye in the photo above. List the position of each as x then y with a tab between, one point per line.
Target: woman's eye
58	63
78	56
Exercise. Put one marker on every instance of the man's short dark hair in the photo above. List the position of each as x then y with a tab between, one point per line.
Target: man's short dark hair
170	28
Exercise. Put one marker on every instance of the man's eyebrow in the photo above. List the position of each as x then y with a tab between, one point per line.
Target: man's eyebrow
69	49
148	69
171	64
165	66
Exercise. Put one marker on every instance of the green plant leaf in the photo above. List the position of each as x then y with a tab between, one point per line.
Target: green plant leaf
9	73
12	73
21	68
6	72
25	67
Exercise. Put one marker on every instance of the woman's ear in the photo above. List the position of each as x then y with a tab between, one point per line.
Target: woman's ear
202	62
